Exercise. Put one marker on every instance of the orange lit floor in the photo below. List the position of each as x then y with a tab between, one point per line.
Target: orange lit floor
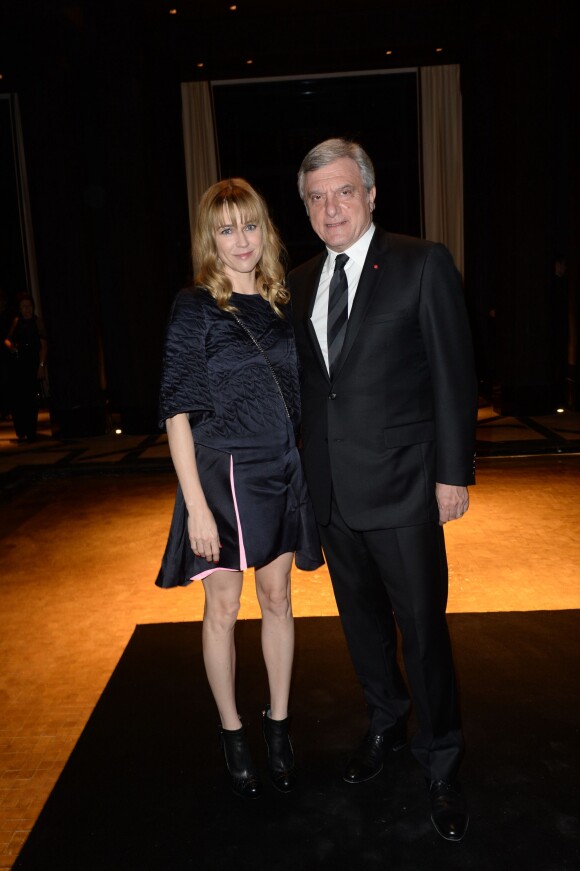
80	553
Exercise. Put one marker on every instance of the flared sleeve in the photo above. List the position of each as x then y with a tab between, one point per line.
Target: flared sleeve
184	377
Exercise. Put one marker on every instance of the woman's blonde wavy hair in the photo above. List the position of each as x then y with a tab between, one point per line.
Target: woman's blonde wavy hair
225	197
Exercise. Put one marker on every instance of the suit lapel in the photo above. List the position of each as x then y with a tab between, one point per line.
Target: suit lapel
371	276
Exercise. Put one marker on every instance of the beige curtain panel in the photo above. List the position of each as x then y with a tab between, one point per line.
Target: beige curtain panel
441	123
201	164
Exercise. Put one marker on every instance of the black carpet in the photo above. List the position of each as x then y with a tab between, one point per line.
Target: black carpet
145	787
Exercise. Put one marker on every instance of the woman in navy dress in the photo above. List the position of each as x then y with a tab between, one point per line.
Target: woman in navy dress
230	402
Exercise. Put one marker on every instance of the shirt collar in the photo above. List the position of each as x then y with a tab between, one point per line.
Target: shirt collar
356	252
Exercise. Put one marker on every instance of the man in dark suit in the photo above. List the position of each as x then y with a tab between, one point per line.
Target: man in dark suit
389	404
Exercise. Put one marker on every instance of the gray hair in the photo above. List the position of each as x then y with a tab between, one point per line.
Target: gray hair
333	149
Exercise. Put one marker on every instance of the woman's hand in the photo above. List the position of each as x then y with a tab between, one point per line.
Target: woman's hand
201	526
203	533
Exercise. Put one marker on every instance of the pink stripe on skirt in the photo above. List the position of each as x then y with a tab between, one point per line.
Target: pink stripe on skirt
243	562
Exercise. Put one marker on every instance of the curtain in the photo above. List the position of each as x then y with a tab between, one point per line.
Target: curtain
201	162
441	124
24	203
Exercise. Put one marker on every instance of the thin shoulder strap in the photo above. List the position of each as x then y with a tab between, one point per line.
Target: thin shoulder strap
266	358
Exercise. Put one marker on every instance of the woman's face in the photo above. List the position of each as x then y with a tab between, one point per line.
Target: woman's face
26	309
239	246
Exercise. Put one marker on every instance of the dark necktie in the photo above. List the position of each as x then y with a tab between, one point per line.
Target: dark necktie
337	312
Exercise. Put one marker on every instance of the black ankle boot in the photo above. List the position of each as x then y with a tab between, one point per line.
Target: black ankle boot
245	781
280	752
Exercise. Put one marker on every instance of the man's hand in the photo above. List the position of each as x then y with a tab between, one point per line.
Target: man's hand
453	502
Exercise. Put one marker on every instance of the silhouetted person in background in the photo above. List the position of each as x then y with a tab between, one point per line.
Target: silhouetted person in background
28	347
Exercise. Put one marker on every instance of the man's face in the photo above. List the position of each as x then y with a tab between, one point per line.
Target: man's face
339	206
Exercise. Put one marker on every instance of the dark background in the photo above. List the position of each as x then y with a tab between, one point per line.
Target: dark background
99	91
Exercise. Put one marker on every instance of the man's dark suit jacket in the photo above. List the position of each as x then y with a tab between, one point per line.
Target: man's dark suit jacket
400	414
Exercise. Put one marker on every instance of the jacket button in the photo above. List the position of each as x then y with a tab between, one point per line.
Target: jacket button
332	395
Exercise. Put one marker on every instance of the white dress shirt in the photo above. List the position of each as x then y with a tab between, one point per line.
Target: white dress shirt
356	257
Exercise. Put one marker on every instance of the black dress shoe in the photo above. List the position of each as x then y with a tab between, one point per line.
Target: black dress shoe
449	812
367	760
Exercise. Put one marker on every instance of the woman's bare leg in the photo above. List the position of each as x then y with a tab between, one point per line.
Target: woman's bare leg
273	589
222	605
